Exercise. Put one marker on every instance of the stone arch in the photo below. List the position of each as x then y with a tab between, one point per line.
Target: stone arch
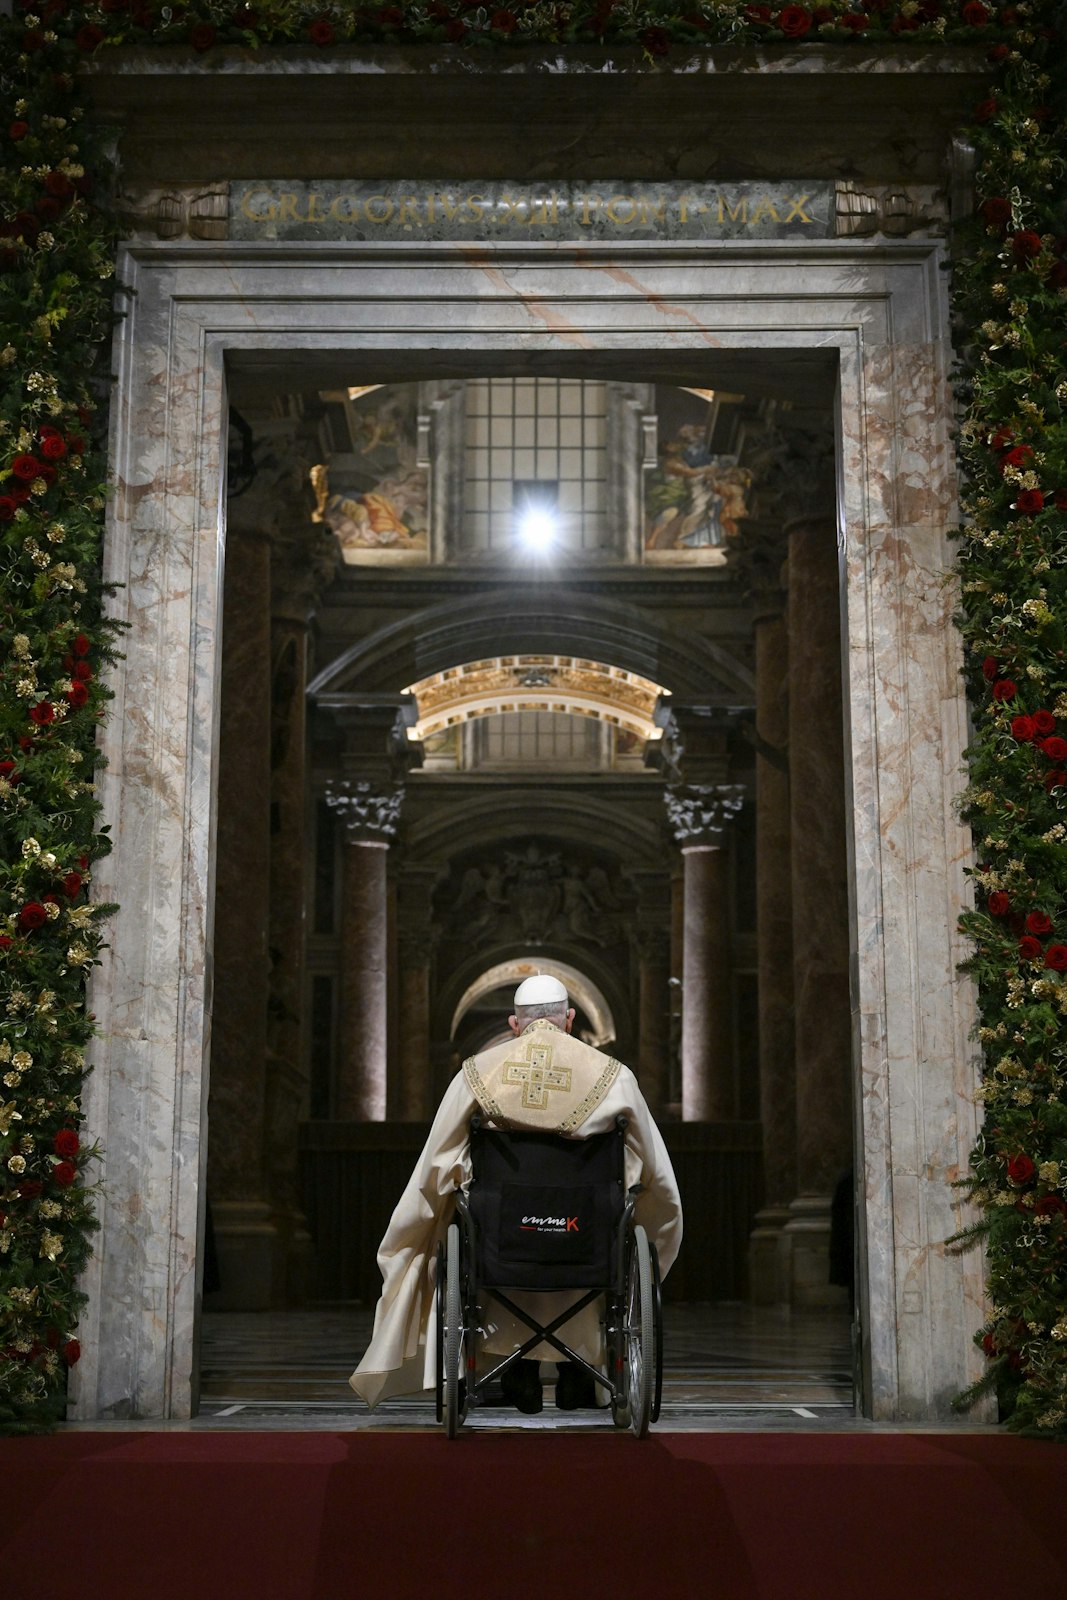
550	618
579	986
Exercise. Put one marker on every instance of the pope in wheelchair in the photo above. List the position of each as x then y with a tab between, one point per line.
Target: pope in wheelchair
537	1225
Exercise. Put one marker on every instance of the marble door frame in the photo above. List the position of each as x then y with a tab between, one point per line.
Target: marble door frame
880	305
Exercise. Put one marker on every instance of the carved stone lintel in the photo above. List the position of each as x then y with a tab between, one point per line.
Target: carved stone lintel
371	815
181	211
700	813
893	209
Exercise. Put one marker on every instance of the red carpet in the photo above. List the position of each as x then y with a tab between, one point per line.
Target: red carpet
306	1516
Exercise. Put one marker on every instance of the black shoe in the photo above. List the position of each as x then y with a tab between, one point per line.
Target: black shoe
520	1385
575	1389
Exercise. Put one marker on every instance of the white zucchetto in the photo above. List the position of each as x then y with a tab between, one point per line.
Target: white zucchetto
540	990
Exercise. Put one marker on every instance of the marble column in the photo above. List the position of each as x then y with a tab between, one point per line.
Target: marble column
415	1099
245	1235
300	565
651	942
774	922
820	908
699	815
370	814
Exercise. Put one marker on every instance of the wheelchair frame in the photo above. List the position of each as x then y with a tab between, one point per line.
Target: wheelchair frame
633	1323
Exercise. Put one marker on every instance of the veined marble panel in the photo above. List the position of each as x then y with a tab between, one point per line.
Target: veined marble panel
878	311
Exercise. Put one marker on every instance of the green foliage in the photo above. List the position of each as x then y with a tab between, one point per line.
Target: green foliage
1010	304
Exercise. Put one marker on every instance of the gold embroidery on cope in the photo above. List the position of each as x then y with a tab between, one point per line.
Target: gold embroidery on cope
537	1076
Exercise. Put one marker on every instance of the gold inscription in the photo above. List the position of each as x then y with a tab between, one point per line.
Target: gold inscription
513	210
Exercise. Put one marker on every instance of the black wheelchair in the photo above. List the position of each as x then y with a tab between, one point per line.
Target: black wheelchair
547	1213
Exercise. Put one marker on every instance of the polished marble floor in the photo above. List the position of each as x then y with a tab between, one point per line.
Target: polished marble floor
726	1366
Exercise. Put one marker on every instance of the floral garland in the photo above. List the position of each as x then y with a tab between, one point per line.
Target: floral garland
56	255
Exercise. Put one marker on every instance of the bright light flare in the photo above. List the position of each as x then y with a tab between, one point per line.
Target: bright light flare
538	528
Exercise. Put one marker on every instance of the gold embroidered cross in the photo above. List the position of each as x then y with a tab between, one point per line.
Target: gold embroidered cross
537	1076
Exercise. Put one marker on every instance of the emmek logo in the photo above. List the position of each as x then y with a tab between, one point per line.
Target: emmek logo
550	1225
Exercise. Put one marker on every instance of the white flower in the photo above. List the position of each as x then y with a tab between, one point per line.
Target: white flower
30	849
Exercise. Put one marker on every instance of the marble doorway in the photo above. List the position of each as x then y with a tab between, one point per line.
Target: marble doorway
874	313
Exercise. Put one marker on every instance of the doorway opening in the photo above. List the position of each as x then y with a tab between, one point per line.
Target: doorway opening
482	749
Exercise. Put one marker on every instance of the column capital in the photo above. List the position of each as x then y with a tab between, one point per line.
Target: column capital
370	812
700	813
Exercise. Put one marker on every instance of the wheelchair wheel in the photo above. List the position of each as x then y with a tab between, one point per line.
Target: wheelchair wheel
640	1336
657	1321
439	1313
452	1346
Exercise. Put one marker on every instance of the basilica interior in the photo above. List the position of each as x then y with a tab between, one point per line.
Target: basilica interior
530	670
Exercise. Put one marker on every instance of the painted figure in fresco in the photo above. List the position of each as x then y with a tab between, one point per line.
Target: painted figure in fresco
384	505
696	499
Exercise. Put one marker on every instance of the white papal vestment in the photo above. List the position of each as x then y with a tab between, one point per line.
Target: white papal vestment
545	1080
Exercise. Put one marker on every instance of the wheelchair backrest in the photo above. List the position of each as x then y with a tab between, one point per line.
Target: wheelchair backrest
546	1209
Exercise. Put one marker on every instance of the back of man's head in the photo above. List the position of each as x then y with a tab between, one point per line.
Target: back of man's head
541	996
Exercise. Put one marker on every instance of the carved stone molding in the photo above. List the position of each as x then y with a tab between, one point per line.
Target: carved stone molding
700	813
180	211
371	815
893	209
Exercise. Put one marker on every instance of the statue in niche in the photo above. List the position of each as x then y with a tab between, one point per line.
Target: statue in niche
534	896
535	892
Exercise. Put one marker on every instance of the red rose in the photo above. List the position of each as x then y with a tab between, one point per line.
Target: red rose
47	208
26	467
1060	500
1055	748
321	31
46	471
1018	456
1055	779
391	17
794	21
30	1188
1039	922
455	30
996	211
988	1344
72	1351
82	644
1004	690
1050	1205
657	41
998	52
66	1142
1044	722
1057	277
43	713
1029	949
1022	728
1002	439
76	444
1030	501
1025	244
202	36
1056	957
985	111
998	904
64	1174
53	447
82	670
990	668
504	21
1020	1169
975	14
89	37
32	915
57	184
758	13
72	884
77	694
8	506
855	21
18	130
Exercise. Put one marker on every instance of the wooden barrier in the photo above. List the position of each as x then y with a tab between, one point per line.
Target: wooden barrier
353	1174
